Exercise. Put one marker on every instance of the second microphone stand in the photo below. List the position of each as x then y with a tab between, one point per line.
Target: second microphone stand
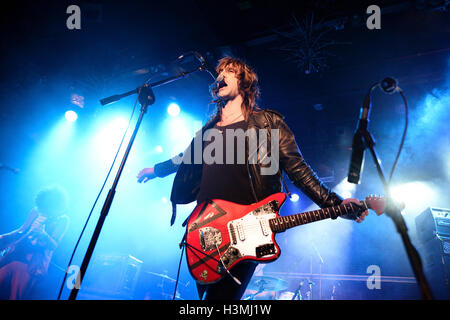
394	213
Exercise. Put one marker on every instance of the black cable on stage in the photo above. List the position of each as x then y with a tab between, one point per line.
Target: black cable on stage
178	274
403	136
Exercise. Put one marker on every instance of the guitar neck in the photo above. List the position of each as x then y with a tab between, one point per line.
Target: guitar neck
281	224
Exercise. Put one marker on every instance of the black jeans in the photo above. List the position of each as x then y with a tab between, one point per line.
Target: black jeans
227	288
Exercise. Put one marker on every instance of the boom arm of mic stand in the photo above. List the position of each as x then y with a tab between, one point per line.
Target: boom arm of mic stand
117	97
395	214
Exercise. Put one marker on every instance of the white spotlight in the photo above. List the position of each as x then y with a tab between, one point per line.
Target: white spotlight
173	109
294	197
71	116
345	189
415	195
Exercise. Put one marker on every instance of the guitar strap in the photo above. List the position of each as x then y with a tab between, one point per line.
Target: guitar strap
182	246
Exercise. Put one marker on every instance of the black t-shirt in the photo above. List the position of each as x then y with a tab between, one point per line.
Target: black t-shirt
227	181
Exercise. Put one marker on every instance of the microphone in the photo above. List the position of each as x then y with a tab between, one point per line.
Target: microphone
217	84
206	66
389	85
358	145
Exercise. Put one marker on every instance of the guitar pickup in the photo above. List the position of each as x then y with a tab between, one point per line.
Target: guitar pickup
264	227
265	250
240	231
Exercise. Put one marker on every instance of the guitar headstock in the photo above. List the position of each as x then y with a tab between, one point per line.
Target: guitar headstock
376	203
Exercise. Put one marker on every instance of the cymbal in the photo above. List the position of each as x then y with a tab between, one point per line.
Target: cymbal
262	283
165	276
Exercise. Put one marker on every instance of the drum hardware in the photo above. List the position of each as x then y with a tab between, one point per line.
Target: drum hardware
263	284
165	277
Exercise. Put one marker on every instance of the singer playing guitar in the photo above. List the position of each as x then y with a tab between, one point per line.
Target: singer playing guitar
241	182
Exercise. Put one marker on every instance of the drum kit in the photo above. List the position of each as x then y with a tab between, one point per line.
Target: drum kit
271	288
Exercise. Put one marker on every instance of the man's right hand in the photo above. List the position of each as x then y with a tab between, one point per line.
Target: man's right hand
146	174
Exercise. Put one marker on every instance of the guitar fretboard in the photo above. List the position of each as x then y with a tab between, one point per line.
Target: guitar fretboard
281	224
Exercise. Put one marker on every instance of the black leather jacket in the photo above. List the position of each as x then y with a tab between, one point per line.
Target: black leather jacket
187	180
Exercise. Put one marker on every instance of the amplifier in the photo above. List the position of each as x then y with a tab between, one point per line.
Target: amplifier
433	221
433	232
435	256
112	277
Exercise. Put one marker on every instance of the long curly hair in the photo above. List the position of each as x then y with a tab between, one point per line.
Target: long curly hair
247	83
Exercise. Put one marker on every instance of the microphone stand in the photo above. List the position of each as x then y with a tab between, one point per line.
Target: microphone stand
146	97
394	213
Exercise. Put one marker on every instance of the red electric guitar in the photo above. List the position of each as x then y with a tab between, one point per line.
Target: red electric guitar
221	233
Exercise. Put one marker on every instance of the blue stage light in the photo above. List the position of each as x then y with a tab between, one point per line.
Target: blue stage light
294	197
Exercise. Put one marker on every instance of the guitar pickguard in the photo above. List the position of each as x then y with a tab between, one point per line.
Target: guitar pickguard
250	232
250	236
